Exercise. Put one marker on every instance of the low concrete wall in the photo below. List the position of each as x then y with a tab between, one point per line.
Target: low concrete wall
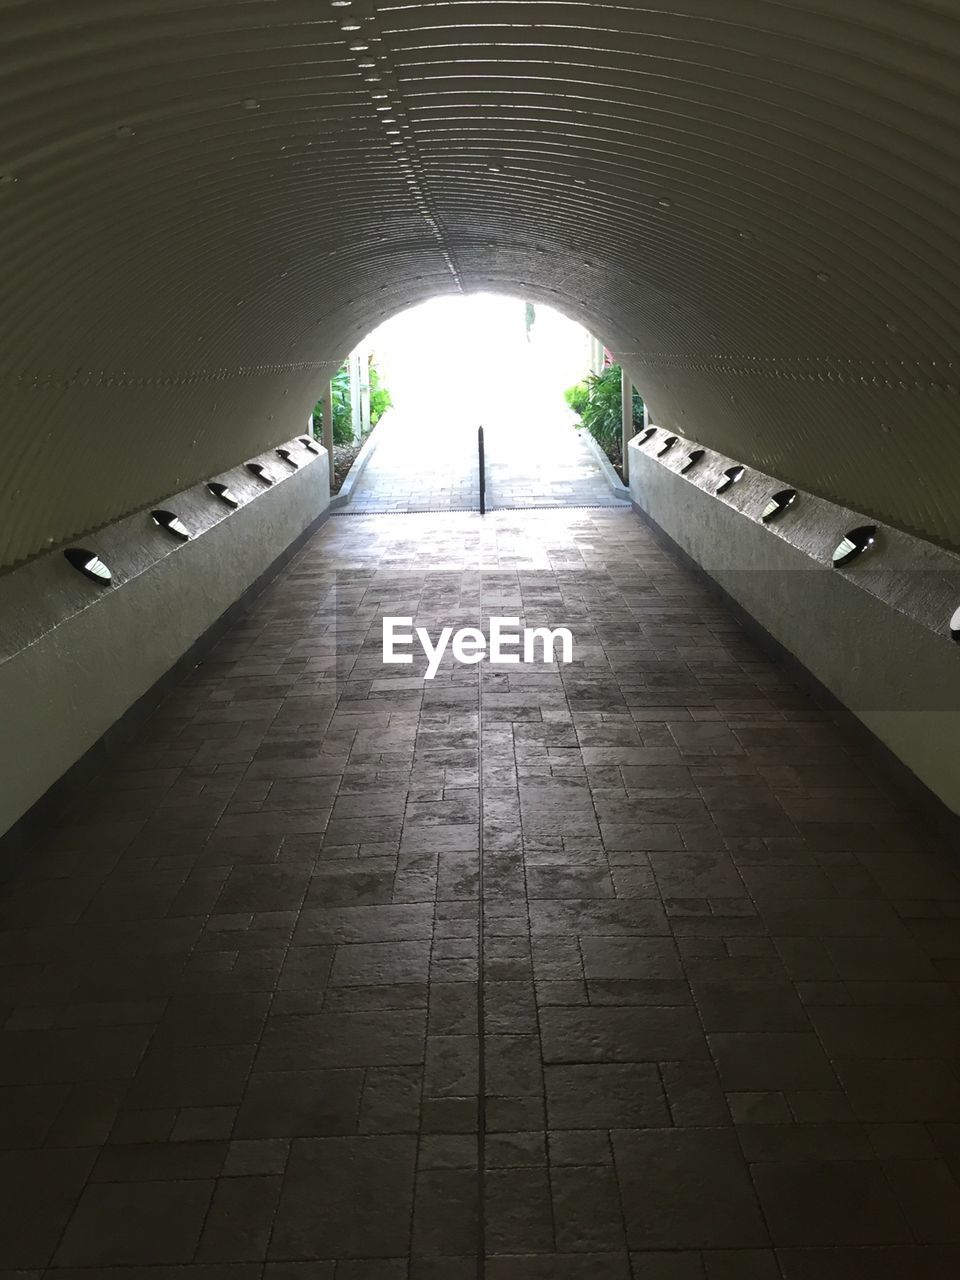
875	634
75	656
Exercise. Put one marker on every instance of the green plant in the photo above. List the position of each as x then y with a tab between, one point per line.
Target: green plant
380	398
380	401
598	402
529	318
577	397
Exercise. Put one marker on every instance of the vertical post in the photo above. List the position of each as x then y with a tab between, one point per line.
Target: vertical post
482	467
363	373
326	403
626	394
353	365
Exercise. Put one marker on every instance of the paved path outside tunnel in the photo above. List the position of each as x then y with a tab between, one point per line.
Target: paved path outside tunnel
630	968
428	462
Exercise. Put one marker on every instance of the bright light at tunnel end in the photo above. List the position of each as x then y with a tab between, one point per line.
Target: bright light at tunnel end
468	645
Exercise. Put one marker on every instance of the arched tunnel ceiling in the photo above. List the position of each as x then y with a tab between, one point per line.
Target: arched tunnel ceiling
204	205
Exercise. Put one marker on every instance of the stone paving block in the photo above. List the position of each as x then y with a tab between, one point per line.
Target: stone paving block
135	1223
687	1188
718	965
346	1198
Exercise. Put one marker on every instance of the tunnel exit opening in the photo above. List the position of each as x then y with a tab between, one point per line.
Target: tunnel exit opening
522	371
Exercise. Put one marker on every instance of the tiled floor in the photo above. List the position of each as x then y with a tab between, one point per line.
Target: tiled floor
630	968
425	465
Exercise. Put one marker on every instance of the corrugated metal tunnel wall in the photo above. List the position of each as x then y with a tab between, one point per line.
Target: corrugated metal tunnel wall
204	205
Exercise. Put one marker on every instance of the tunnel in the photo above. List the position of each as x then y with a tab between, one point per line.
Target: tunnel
254	1023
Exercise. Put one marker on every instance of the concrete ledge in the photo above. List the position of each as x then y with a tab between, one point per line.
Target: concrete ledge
81	665
367	451
874	635
614	483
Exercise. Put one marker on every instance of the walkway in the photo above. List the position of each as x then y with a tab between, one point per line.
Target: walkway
430	464
710	1031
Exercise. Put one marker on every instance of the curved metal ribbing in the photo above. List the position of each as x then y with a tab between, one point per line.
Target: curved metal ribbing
204	205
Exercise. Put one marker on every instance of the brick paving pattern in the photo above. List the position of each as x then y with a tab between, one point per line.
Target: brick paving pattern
630	968
420	465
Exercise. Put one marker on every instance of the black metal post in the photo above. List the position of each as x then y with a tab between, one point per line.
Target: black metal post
483	472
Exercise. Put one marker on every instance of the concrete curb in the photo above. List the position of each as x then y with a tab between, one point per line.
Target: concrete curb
614	483
359	464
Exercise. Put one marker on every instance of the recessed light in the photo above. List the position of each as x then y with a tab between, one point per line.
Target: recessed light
645	435
260	471
955	626
856	542
358	47
309	444
778	504
250	104
170	521
731	476
666	446
89	564
223	493
693	457
287	456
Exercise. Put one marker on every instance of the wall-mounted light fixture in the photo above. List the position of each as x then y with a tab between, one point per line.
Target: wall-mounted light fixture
89	564
223	493
172	523
778	504
730	478
856	542
260	471
287	456
693	457
666	446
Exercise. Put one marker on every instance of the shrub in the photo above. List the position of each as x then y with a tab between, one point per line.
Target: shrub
380	398
380	401
597	401
577	397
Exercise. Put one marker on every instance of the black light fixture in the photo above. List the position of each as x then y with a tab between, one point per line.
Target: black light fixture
287	456
223	493
666	446
170	521
778	504
89	564
260	471
693	457
645	435
856	542
955	626
731	476
309	444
